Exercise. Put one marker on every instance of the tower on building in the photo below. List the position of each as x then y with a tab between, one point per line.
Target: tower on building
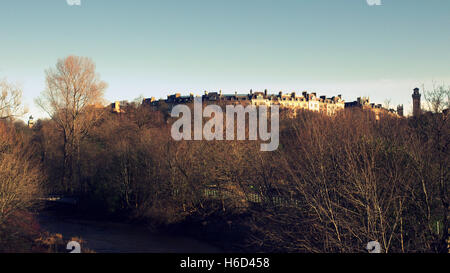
115	107
30	122
416	102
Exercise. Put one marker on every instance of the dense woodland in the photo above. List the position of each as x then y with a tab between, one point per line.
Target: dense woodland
333	185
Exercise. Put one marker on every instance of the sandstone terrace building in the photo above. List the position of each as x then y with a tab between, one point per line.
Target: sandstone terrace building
305	101
293	100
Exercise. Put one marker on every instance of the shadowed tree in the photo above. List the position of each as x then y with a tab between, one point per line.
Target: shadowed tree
437	127
20	175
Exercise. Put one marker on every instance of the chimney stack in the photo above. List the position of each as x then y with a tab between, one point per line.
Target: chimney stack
400	110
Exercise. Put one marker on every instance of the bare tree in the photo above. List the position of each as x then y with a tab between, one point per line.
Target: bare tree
73	91
438	98
19	179
10	101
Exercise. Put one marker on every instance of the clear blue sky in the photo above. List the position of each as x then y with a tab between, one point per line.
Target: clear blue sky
154	48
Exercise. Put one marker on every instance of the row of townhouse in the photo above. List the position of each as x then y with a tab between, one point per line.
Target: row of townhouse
307	101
